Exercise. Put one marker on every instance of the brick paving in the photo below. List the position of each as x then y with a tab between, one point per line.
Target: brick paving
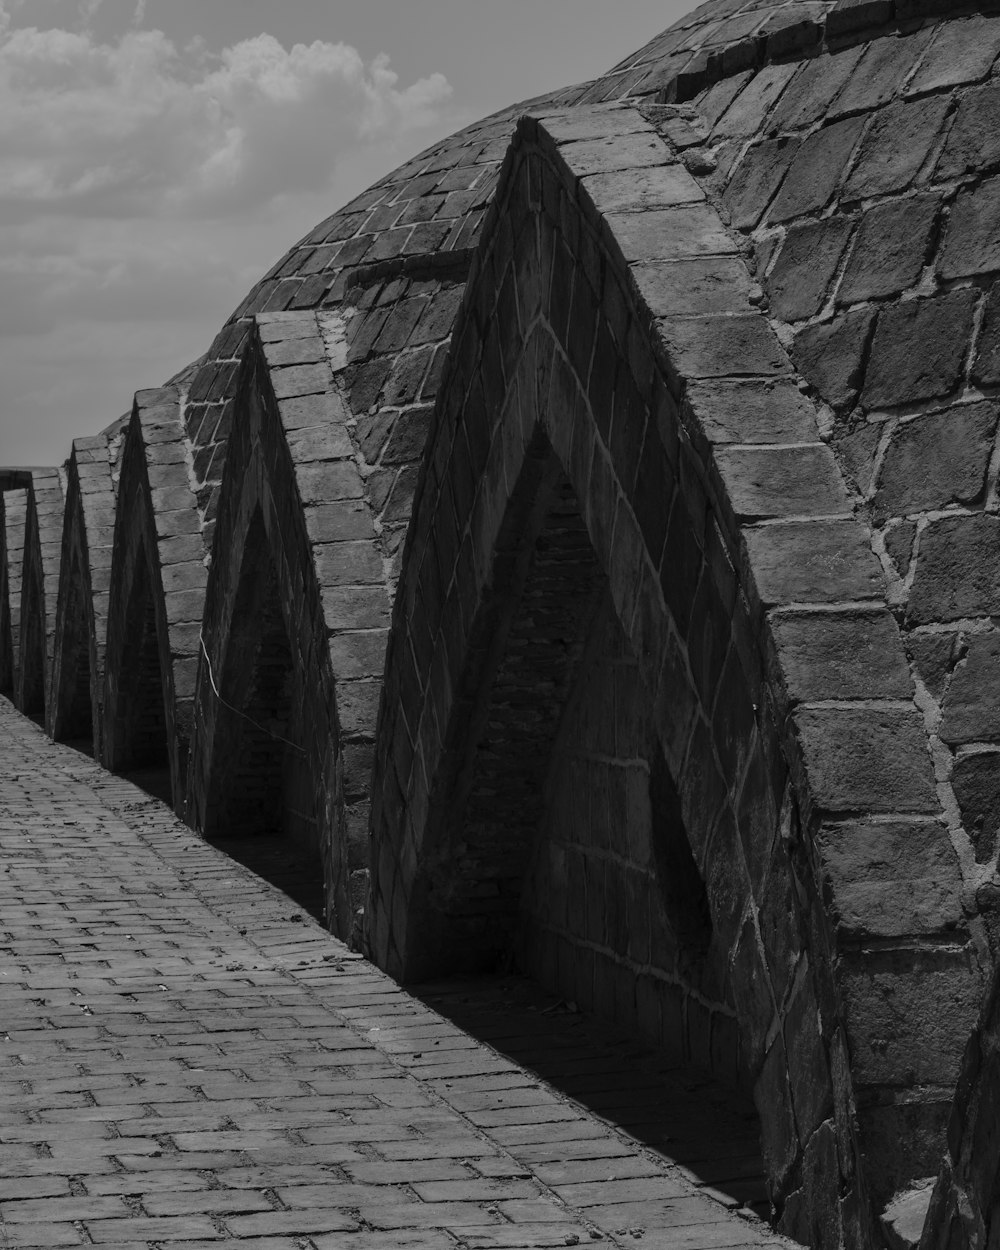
188	1060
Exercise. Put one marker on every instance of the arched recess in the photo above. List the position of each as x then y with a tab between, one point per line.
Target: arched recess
609	313
39	589
295	620
84	586
13	512
157	596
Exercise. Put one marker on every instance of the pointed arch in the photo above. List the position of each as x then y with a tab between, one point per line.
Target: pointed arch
158	579
75	706
610	313
296	618
39	589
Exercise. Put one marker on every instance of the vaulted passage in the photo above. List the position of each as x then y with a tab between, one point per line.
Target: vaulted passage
74	714
566	866
261	802
140	749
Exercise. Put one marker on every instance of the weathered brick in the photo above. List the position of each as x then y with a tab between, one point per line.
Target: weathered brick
763	482
891	249
867	759
809	95
963	51
714	347
958	570
973	142
758	176
669	233
971	245
919	349
636	190
861	858
895	147
971	709
816	170
937	459
881	72
841	655
848	16
800	278
812	562
745	116
986	367
753	411
830	356
976	782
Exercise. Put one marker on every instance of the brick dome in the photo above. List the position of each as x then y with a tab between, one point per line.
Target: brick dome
582	550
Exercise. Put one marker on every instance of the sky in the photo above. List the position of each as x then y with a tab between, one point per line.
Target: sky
156	156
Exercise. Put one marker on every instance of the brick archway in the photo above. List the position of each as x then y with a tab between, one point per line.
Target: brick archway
39	586
295	537
611	313
157	597
75	710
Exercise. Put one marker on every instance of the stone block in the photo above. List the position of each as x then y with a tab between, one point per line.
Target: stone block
848	16
972	244
890	250
812	562
933	656
840	655
866	759
808	97
714	347
754	183
936	460
800	278
887	879
771	410
670	233
919	349
327	481
971	709
973	142
909	1012
315	443
295	380
976	782
830	356
765	482
348	564
745	116
636	190
694	287
295	351
958	570
896	145
882	71
963	51
338	521
986	368
816	170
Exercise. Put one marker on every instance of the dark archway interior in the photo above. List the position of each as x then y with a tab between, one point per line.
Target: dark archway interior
567	896
262	805
74	719
142	751
33	651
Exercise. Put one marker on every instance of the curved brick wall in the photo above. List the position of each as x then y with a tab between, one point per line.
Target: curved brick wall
584	542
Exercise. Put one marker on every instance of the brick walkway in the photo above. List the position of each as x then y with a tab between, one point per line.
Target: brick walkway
188	1060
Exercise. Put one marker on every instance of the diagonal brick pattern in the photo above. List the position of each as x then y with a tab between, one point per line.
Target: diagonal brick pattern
187	1061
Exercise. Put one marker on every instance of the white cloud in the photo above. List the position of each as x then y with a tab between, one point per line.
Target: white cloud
146	183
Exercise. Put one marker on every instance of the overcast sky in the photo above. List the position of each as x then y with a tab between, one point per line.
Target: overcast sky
156	156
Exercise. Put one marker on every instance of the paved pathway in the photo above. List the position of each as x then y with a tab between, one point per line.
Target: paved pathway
187	1061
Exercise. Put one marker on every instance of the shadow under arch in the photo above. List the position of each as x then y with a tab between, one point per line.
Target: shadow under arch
551	345
261	800
276	593
77	688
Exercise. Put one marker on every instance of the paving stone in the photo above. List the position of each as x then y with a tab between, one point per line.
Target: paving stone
247	1061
